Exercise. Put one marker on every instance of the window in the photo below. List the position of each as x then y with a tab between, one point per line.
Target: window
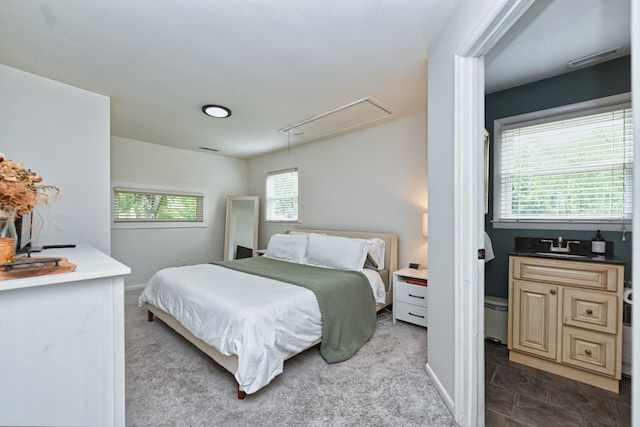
145	206
282	196
566	165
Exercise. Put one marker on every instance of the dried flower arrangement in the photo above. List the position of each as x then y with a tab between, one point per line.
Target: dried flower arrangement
20	189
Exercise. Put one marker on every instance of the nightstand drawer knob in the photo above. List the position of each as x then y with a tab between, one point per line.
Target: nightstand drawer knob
553	291
416	296
587	352
416	315
589	311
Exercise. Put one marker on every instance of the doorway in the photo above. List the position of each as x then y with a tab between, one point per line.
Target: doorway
469	115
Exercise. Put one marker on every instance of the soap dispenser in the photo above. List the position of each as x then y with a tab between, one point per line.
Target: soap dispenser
598	244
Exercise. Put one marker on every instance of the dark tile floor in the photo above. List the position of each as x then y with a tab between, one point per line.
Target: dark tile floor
517	395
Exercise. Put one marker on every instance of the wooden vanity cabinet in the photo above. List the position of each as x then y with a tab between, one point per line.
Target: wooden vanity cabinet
565	317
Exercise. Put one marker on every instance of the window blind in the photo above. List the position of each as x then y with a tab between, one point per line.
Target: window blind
572	169
282	196
153	206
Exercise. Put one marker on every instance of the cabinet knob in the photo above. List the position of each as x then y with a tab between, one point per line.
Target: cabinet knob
552	292
587	352
589	311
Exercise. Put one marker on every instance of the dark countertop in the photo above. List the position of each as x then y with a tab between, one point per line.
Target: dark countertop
579	250
605	259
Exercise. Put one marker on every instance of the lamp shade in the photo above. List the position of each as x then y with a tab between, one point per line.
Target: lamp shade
425	224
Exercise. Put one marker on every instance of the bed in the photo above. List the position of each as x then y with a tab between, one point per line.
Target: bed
251	315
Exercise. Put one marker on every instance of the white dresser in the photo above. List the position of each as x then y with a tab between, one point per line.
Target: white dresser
410	296
62	344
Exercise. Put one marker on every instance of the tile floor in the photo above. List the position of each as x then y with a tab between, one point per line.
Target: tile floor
517	395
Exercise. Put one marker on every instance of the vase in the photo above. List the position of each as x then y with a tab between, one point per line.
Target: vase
8	235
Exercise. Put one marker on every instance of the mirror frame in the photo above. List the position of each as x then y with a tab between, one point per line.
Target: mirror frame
228	232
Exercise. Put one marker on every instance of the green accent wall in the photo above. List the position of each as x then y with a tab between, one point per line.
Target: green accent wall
601	80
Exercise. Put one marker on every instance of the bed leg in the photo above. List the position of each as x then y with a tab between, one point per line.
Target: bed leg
241	394
149	316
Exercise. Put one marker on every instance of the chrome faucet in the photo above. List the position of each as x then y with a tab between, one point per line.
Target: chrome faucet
560	247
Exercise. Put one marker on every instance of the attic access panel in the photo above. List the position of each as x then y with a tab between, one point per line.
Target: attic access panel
339	120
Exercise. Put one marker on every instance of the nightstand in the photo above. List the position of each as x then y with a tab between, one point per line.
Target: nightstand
410	296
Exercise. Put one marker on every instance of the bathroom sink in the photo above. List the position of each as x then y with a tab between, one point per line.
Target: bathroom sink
562	255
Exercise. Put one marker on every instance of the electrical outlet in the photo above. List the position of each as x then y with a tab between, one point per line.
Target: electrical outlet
183	262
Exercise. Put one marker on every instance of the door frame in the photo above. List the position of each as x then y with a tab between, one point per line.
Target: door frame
469	207
635	240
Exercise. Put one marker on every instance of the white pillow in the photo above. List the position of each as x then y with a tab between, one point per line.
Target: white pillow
303	232
376	251
341	253
288	247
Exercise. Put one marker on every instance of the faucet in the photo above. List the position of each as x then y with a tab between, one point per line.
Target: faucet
560	247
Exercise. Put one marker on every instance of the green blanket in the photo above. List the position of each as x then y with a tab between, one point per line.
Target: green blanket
346	302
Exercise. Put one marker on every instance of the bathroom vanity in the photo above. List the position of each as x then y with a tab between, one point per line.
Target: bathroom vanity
565	315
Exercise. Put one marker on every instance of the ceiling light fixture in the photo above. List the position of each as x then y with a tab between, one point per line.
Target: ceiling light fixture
216	111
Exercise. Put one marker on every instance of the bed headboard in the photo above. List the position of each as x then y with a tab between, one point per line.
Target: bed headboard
390	240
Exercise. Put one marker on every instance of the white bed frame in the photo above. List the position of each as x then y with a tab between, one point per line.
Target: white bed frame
230	363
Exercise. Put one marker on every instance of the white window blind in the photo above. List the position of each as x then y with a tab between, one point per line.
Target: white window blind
573	168
282	196
156	206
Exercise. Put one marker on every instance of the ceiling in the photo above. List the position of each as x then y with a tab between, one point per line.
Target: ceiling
276	64
552	33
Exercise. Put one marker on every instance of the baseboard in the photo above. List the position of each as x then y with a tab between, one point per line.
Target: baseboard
134	287
443	393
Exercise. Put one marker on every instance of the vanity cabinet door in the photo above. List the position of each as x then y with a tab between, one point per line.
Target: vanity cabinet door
535	318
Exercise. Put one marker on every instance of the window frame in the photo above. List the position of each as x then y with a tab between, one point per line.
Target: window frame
594	106
266	199
138	188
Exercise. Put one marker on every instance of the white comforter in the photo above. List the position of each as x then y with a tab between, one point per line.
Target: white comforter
258	319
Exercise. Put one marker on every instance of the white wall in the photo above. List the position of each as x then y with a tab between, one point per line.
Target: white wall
441	90
62	133
148	250
374	179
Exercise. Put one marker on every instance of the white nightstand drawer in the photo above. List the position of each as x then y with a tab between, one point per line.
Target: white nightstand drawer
412	294
411	313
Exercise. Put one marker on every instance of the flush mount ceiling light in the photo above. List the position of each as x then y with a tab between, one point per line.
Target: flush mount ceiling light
216	111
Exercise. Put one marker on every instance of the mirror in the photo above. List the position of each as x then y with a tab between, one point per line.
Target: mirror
241	232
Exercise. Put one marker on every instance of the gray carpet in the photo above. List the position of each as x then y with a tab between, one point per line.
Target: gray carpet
169	382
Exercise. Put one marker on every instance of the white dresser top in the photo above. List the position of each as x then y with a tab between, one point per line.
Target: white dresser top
90	262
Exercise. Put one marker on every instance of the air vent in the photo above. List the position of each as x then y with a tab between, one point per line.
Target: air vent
359	113
593	59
